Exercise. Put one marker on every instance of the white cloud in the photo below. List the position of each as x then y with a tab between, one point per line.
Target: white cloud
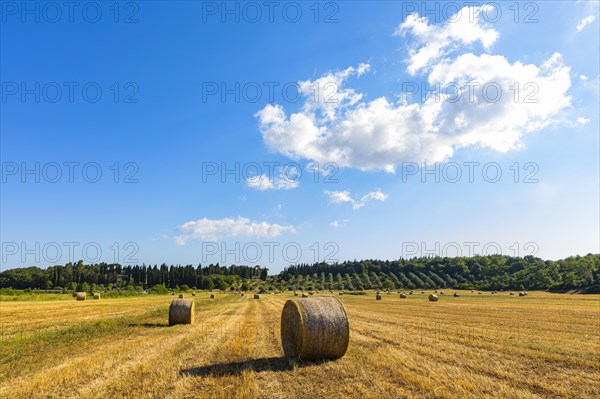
381	134
583	77
337	223
214	229
337	197
433	42
264	182
586	21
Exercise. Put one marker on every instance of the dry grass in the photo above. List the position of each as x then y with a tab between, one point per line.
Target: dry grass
491	346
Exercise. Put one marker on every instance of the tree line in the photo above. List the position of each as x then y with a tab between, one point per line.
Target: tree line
115	275
492	272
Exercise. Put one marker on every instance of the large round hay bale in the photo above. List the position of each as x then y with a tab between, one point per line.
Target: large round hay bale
522	293
81	296
180	296
96	295
456	294
314	328
181	311
433	298
256	296
402	295
378	297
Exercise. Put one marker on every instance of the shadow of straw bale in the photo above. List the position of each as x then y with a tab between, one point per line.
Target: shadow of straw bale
148	325
276	364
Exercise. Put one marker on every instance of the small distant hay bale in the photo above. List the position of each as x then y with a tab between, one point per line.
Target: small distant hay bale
512	293
181	311
96	295
403	295
172	293
317	292
242	294
311	293
81	296
295	293
256	296
526	293
314	328
212	296
377	293
304	295
441	292
493	292
522	293
341	293
180	296
456	294
422	292
433	298
435	291
193	294
378	297
410	292
479	292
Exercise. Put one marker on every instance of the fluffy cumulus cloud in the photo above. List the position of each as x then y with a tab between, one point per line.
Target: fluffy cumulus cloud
264	182
339	197
584	22
433	42
480	100
215	229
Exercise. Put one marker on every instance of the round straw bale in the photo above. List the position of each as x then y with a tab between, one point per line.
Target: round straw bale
512	293
403	295
181	311
180	296
81	296
256	296
341	293
522	294
456	294
304	295
212	296
479	292
410	292
378	297
242	294
172	293
422	292
433	298
193	294
96	295
314	328
526	293
295	293
441	292
311	293
435	291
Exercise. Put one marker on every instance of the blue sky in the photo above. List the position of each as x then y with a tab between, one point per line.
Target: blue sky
164	123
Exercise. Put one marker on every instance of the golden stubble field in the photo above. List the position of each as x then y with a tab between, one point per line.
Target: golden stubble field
474	346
